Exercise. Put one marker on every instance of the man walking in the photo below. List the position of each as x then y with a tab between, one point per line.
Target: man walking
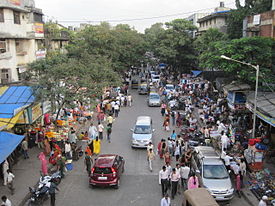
174	179
100	129
10	179
163	180
5	168
25	148
116	108
109	131
52	189
150	157
110	120
5	201
92	131
165	201
88	163
184	173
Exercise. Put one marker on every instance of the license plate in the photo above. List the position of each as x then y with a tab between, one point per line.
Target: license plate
102	178
219	197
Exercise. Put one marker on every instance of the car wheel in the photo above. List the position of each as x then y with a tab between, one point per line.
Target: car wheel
117	185
92	186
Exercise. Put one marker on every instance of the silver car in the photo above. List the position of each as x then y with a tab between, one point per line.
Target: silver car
154	100
212	173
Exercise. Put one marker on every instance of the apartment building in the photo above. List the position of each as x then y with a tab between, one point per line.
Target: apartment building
194	20
21	38
217	20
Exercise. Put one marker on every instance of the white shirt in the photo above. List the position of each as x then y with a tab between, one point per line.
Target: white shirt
7	203
163	175
227	160
68	148
262	203
165	202
10	177
185	172
224	139
177	150
150	147
235	168
116	107
175	177
113	103
100	128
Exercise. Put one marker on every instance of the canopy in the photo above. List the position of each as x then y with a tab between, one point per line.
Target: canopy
13	100
8	143
196	72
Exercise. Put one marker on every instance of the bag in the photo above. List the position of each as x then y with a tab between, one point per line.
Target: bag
260	146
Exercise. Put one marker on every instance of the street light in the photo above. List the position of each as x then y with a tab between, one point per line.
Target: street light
257	68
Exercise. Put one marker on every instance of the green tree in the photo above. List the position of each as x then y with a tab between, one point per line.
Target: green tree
63	80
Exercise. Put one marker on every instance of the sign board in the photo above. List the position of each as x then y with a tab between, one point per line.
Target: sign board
39	28
24	118
40	54
35	112
46	107
15	2
256	19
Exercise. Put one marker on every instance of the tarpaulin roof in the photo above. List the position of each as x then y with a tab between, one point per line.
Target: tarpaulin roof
14	99
196	72
8	143
236	86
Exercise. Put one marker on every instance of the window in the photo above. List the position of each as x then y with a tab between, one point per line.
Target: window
16	17
2	15
37	17
3	47
5	76
19	46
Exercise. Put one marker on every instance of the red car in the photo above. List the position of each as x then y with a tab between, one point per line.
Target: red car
107	171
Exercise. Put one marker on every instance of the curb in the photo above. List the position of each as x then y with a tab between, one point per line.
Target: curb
246	198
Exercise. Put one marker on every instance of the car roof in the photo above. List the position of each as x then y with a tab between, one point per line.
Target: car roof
143	120
105	160
212	161
153	93
169	85
206	152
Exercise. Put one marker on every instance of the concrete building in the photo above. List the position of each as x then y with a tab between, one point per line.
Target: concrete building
21	37
260	24
216	20
194	19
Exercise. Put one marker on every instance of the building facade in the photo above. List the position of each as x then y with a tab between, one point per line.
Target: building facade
216	20
21	37
194	19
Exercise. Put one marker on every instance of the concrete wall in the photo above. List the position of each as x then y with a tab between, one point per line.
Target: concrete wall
215	22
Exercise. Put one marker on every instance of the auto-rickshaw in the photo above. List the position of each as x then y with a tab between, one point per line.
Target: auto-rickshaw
198	197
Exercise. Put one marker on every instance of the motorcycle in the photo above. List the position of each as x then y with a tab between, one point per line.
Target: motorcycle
41	192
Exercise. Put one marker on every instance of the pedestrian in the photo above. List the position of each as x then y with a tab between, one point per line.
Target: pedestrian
100	129
174	177
110	120
129	100
61	165
166	125
150	146
116	109
165	201
238	184
185	170
88	162
263	201
150	157
193	182
40	139
44	163
92	131
25	148
10	179
96	144
108	132
5	168
174	135
72	135
47	148
224	141
227	159
167	158
173	116
243	170
163	180
5	201
52	189
68	150
163	108
177	152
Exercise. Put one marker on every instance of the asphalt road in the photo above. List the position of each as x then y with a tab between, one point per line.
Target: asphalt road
139	186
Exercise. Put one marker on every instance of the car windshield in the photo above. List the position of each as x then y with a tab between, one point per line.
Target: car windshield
155	77
142	129
170	87
215	172
154	96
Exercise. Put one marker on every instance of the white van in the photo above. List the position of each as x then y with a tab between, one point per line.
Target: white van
142	132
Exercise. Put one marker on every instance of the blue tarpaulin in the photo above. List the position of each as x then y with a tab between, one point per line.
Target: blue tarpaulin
196	72
14	99
162	65
8	143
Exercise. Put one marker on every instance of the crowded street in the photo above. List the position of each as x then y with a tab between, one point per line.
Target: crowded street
139	186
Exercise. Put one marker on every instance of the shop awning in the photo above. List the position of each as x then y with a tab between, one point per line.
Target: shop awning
12	102
236	86
196	72
265	106
8	143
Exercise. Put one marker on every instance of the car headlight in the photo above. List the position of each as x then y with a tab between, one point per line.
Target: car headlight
230	191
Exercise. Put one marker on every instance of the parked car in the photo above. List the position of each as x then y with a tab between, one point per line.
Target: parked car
142	132
212	173
154	99
169	88
107	170
155	78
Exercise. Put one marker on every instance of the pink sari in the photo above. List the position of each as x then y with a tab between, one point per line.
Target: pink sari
44	163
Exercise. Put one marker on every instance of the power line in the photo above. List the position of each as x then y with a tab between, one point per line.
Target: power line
138	19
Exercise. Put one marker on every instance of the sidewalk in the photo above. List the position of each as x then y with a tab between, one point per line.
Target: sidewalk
27	174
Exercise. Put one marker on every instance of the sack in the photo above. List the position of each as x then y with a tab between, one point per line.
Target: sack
260	146
252	142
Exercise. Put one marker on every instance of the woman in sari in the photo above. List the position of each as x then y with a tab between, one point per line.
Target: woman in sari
96	144
44	163
47	147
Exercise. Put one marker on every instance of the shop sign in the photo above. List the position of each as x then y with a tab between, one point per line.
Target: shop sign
24	118
35	112
39	28
41	54
46	107
15	2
